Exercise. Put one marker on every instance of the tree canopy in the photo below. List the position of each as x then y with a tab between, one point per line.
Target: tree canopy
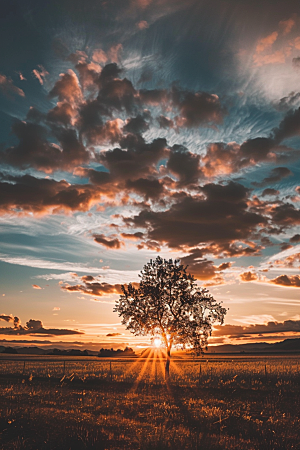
168	303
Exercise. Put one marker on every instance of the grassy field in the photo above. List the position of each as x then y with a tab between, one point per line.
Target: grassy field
209	403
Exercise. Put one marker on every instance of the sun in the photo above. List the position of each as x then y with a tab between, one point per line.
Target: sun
156	342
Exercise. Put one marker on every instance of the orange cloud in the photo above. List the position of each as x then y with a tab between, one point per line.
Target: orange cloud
288	281
287	25
36	286
142	25
7	86
248	276
267	42
40	74
67	88
99	56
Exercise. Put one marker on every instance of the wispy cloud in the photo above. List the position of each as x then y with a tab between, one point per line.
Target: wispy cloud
44	264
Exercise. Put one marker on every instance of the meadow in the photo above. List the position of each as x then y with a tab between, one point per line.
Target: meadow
226	402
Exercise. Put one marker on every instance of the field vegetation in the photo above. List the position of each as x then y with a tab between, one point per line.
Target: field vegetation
214	403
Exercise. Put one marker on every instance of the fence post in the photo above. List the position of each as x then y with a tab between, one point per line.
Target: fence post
200	372
23	368
110	371
64	367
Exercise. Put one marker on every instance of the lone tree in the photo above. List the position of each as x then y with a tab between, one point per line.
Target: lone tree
168	303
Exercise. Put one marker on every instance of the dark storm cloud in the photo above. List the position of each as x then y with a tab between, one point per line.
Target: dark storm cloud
116	94
96	177
194	220
270	327
62	137
194	109
285	215
184	165
256	149
197	109
34	149
136	125
135	159
39	195
146	187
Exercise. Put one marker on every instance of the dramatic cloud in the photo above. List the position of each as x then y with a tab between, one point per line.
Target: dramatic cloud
270	192
108	243
34	149
271	327
8	88
295	239
91	286
67	88
197	109
165	122
200	219
248	276
275	176
94	288
41	196
289	126
285	215
184	165
202	268
287	280
32	327
289	261
166	126
9	318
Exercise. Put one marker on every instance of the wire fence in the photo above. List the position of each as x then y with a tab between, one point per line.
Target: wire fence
183	372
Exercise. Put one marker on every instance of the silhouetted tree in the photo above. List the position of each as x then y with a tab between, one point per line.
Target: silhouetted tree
169	304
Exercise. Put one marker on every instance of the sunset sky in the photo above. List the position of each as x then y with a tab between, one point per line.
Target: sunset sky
136	128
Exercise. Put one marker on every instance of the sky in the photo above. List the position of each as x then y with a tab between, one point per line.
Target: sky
136	128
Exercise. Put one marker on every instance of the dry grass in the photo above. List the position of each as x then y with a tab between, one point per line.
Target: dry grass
241	404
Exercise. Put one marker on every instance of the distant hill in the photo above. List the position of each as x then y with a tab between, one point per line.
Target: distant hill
286	346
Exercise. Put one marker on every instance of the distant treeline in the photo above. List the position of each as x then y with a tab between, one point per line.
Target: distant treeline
72	352
126	352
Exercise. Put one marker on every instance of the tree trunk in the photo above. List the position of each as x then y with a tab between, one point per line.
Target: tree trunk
167	368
